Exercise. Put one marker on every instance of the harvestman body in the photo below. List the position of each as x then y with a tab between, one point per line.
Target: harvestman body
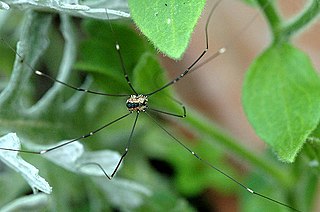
139	103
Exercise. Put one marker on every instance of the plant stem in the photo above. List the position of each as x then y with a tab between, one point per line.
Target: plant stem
302	19
207	128
272	16
283	32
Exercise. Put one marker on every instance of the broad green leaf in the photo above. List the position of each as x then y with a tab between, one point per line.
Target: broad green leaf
166	199
206	176
99	56
167	24
281	99
249	203
148	74
186	167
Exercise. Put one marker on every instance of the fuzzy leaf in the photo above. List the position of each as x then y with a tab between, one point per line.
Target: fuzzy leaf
93	9
281	99
124	194
65	156
30	203
13	160
105	158
72	157
168	24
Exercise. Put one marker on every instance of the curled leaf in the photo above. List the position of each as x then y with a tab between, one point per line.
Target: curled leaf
25	169
74	158
37	202
124	194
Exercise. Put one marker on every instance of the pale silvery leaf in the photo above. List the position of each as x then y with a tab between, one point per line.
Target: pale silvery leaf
4	6
96	9
26	170
73	158
124	194
30	203
105	158
65	156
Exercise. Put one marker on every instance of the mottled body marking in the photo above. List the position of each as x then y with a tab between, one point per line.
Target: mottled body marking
137	103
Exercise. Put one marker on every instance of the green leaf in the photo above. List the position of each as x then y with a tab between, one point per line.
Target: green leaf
99	55
281	99
306	189
186	165
148	74
168	24
164	199
250	204
206	176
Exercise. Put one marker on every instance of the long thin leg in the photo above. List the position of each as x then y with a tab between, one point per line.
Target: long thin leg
125	73
169	113
127	146
183	115
232	42
76	88
216	54
122	157
37	72
197	60
218	170
68	142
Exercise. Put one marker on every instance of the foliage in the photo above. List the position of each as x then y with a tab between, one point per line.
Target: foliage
280	99
283	112
281	90
175	21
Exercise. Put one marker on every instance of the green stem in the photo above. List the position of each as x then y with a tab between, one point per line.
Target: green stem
272	16
207	128
312	152
302	19
282	33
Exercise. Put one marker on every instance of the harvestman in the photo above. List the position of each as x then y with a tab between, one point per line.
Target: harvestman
137	103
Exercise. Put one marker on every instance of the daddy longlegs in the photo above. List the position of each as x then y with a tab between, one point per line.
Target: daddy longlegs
137	104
